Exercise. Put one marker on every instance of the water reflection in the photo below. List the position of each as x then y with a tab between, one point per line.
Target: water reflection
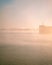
22	48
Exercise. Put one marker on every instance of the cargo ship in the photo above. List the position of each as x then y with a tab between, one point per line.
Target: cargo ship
45	29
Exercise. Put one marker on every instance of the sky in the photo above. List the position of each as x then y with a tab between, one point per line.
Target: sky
25	13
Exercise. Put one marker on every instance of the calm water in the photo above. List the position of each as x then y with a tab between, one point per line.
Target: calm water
25	48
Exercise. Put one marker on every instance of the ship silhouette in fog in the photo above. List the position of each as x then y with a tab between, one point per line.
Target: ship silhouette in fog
45	29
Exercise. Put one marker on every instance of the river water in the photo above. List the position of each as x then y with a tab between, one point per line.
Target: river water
25	48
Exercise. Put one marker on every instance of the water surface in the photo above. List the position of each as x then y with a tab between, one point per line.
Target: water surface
25	48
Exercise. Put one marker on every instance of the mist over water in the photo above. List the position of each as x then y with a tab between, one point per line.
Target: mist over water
20	44
25	48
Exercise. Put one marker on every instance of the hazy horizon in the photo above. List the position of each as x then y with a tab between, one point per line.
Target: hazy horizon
28	45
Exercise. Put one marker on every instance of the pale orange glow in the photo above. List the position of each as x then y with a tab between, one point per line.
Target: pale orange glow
26	32
27	16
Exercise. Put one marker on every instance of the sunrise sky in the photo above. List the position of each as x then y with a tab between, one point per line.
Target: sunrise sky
25	13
